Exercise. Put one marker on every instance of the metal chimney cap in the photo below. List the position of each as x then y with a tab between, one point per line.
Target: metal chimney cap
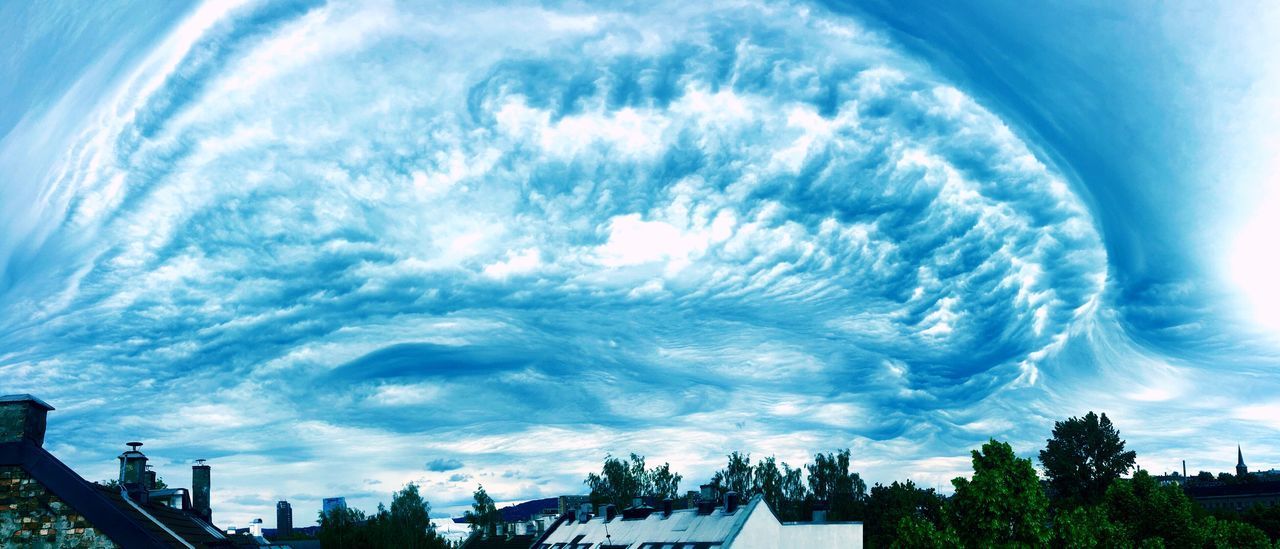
133	446
200	462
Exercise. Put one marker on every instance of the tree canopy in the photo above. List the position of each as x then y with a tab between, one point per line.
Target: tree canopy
620	481
1083	457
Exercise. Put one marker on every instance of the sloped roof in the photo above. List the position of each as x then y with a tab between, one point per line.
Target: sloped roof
127	523
683	526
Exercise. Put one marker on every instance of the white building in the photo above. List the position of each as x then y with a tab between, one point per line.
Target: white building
731	526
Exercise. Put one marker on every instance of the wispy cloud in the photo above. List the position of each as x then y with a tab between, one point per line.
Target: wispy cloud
333	241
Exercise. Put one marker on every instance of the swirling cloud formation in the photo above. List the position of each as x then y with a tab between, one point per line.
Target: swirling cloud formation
357	239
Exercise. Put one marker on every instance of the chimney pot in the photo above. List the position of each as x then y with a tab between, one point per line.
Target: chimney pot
22	417
730	502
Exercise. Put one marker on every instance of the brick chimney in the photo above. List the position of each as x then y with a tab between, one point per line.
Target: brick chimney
22	417
200	491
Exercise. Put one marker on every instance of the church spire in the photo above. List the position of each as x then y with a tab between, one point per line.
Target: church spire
1241	469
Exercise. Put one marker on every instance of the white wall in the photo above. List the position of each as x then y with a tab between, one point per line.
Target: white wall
763	531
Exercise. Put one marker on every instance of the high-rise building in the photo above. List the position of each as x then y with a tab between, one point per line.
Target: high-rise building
284	518
334	503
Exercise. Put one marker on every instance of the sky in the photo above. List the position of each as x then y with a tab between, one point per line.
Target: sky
336	247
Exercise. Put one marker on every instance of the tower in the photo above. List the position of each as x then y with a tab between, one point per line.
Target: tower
284	518
1241	469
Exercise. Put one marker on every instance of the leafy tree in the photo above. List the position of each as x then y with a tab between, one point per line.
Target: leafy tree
621	480
888	505
1002	505
917	533
1150	512
1083	457
737	476
1084	527
830	481
409	522
1265	518
484	514
1225	534
115	483
343	528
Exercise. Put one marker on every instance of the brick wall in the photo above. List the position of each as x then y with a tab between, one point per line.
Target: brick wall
31	516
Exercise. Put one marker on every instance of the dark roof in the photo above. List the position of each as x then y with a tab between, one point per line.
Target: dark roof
26	398
1268	487
498	542
183	524
105	508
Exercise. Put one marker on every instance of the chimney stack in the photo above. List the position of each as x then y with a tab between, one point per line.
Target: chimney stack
133	472
730	502
667	506
200	491
22	417
584	512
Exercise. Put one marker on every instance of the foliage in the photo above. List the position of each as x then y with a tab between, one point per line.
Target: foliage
621	480
1083	457
484	514
1265	518
1083	527
1149	511
917	533
115	483
831	481
406	524
1232	534
343	528
1003	504
887	506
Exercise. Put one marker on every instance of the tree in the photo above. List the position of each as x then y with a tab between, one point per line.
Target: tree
1232	534
1150	512
1265	518
737	476
1002	504
1082	459
620	481
409	522
484	515
917	533
888	505
831	481
1083	527
343	528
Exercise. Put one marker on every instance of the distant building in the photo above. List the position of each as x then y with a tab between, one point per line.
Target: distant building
1239	494
1241	468
334	503
727	526
284	518
49	505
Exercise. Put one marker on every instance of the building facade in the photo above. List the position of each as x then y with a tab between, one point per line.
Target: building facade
284	518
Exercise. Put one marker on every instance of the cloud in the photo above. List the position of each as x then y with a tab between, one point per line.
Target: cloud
531	236
442	464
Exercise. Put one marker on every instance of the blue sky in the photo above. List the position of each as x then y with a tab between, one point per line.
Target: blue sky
334	248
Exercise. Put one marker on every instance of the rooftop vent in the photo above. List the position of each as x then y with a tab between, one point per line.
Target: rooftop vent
667	507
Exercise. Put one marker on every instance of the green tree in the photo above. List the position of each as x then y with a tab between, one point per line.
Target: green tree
1150	512
1003	504
918	533
409	522
484	515
830	481
1084	527
1265	518
344	528
1083	457
737	476
621	480
1230	534
888	505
